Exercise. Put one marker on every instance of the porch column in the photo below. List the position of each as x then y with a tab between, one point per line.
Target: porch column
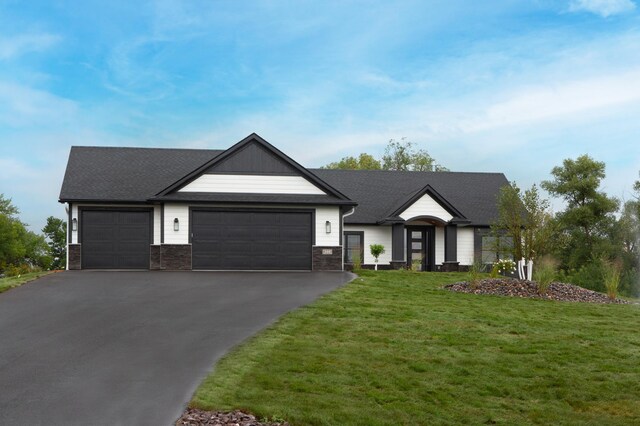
450	248
397	246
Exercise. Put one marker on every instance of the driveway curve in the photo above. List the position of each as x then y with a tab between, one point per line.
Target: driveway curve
130	348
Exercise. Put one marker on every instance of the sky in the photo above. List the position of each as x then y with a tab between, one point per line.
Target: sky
496	86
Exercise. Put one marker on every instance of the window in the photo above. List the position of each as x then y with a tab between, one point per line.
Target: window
494	248
353	246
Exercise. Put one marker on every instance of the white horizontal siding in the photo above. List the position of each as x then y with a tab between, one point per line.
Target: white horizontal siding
426	206
180	212
439	245
374	235
74	215
465	246
324	214
253	184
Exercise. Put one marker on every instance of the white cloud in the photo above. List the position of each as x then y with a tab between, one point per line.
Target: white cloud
562	99
11	47
25	106
603	8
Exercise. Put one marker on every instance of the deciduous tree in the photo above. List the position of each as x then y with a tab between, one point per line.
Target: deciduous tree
588	216
363	162
56	232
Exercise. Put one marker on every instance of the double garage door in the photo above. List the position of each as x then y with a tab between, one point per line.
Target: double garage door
251	240
221	239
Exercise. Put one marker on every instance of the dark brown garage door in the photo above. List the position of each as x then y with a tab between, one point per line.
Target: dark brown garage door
251	240
115	239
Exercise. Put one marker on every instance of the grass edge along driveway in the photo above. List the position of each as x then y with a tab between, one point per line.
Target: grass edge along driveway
7	283
393	347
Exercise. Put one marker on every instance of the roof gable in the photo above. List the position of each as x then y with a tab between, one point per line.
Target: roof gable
253	155
253	158
428	202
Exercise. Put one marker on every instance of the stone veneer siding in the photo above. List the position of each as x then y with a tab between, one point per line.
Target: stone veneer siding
74	252
155	257
176	257
327	262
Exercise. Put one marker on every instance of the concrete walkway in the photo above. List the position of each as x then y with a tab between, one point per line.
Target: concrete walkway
130	348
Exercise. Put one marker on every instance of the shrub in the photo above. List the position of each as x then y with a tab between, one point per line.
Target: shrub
588	276
16	270
416	264
611	276
357	260
503	266
474	274
544	272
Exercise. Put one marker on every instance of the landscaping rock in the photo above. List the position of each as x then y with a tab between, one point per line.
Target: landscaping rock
196	417
523	288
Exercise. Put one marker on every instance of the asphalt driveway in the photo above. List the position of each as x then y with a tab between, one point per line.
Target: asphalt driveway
130	348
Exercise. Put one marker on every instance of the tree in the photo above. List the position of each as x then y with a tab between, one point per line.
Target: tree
401	155
376	251
398	155
588	216
10	243
18	245
363	162
526	220
56	232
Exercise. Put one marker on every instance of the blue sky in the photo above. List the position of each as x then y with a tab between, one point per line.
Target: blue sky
510	86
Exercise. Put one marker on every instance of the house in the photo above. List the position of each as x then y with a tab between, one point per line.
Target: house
251	207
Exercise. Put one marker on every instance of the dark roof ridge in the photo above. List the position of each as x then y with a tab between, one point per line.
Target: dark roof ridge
406	171
146	147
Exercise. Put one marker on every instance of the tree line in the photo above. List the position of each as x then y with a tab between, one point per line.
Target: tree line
398	155
592	236
22	250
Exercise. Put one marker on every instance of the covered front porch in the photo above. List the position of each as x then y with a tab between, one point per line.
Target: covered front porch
425	243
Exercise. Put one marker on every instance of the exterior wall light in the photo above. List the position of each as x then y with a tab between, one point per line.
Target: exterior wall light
74	224
176	224
328	227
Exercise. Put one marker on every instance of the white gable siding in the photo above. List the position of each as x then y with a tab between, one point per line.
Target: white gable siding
324	214
439	245
181	212
465	246
426	206
252	184
374	235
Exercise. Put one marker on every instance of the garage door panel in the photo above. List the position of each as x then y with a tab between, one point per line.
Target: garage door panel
115	239
259	240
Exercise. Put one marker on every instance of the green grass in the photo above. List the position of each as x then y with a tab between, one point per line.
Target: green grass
11	282
395	348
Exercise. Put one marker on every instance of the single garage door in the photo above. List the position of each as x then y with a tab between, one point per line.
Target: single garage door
251	240
115	239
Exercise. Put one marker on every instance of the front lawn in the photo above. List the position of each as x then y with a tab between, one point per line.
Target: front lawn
395	348
11	282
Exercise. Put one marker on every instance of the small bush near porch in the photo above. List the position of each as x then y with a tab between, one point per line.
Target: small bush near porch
393	347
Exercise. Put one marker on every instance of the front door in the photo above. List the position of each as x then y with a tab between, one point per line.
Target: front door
420	248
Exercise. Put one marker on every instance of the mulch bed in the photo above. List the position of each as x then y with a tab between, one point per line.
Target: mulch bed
195	417
522	288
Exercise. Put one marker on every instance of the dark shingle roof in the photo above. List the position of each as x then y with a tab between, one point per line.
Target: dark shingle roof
107	174
227	197
126	174
379	192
